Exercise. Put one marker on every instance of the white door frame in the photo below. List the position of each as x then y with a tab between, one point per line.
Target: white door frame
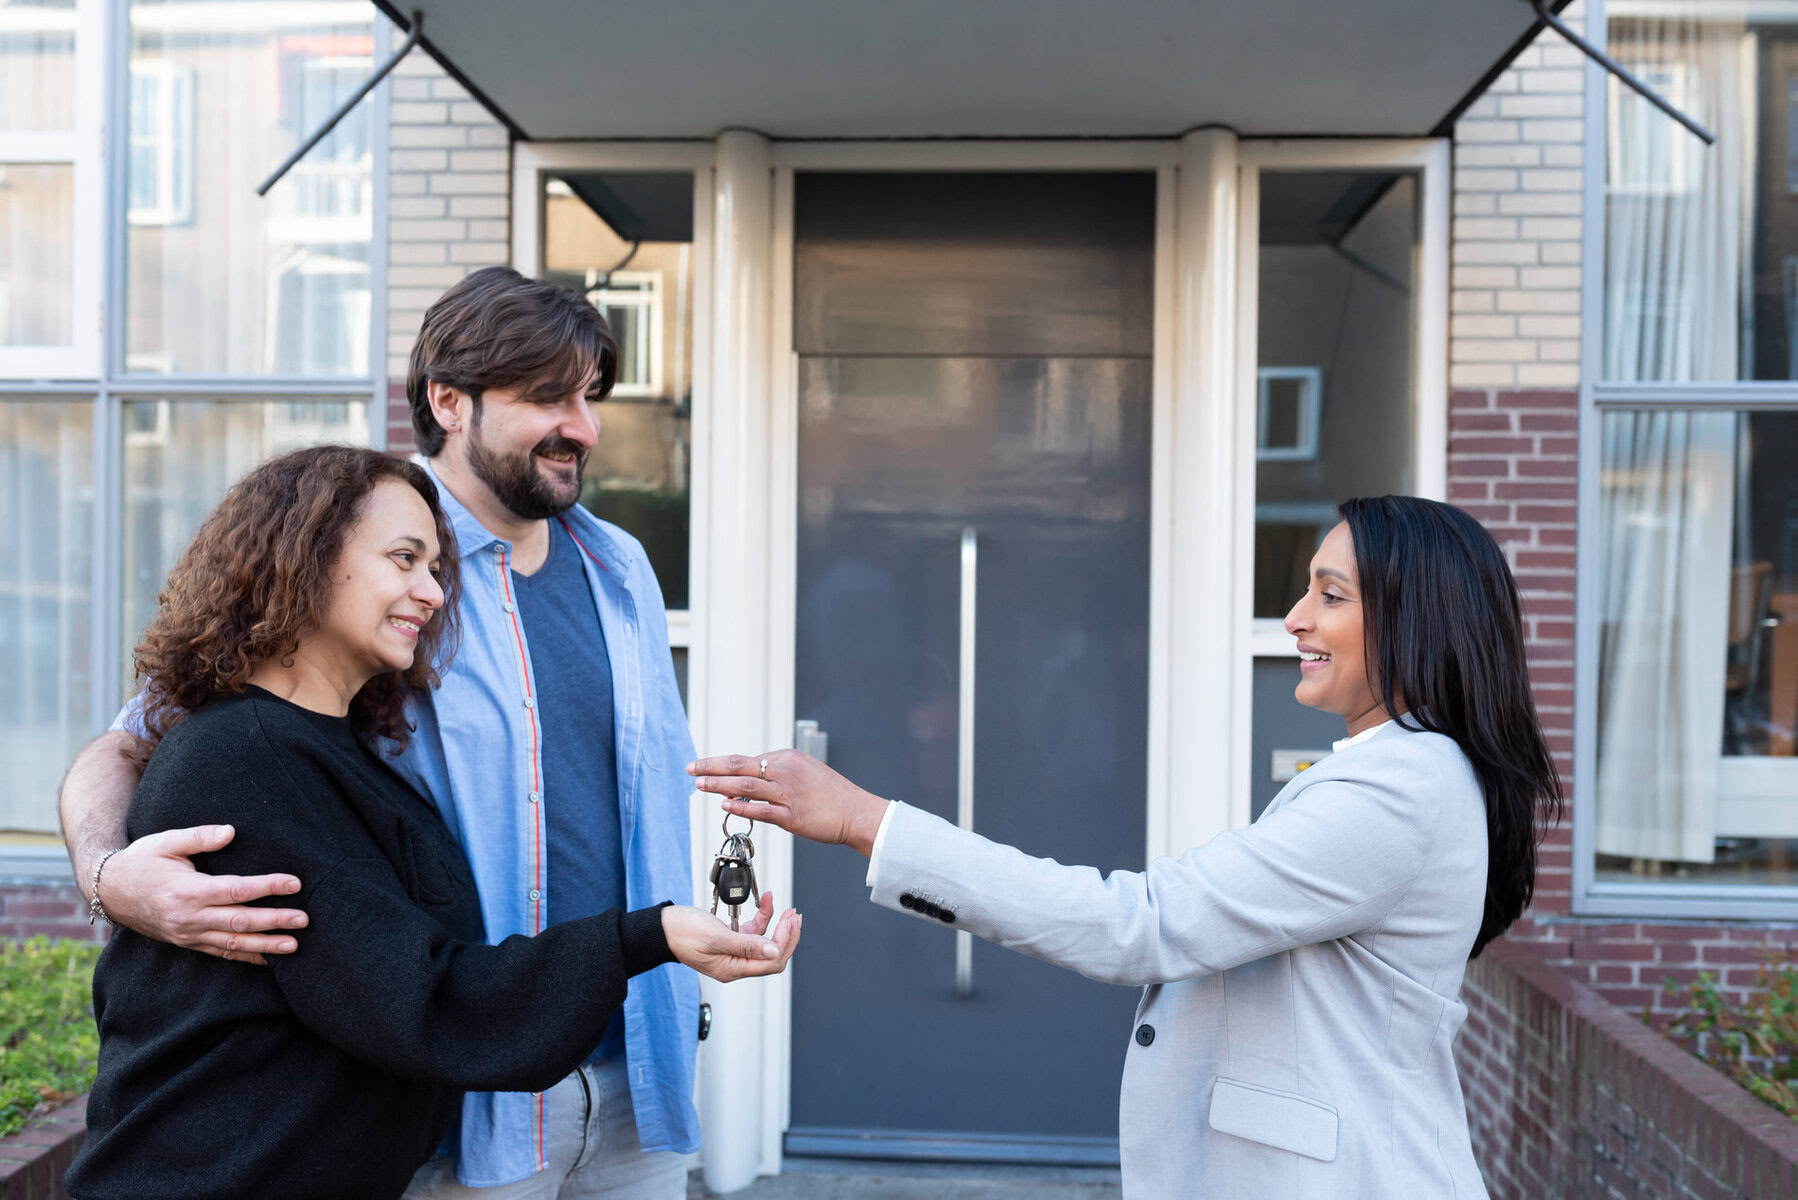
1202	484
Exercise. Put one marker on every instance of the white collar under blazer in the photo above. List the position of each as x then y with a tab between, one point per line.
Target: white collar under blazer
1302	975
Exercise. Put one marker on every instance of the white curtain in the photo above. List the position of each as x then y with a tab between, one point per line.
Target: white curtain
1678	232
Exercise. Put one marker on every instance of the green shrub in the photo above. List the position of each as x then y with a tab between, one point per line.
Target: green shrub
48	1043
1756	1043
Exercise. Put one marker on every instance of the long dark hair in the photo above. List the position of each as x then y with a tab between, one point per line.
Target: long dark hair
1444	630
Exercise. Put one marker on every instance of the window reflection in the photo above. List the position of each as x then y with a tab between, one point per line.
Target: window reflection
1334	410
37	65
625	239
219	279
1698	652
1701	261
46	602
37	254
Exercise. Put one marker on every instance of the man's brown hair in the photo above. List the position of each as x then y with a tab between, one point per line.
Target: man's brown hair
497	328
256	581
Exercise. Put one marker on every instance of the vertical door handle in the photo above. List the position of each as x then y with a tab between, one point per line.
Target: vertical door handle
809	739
964	775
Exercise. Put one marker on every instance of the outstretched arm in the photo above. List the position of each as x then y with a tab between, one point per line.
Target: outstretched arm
1332	861
386	982
150	885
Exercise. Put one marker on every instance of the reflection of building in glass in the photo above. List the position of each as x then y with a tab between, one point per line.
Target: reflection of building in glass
221	280
626	242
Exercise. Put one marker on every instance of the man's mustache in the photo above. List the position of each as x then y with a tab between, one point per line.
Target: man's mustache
562	445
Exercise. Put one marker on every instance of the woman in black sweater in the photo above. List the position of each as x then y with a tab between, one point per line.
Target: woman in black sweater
310	603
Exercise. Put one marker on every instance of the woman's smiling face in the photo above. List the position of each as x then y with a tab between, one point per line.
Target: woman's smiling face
384	585
1329	623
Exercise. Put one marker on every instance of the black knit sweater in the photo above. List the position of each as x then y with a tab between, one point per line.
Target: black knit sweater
335	1070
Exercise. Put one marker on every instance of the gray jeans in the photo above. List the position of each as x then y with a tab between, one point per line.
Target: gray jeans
590	1142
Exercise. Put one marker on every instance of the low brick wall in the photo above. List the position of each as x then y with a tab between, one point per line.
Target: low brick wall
1571	1097
32	907
33	1160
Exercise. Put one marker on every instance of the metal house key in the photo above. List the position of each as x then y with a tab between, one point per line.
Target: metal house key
733	873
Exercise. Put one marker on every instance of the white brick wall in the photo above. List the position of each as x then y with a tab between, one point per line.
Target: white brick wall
450	207
1518	194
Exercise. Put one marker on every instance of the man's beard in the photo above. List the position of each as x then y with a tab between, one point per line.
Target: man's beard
516	481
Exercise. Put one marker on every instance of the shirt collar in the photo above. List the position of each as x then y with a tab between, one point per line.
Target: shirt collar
1346	742
472	536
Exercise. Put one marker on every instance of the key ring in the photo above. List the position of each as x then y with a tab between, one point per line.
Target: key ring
745	833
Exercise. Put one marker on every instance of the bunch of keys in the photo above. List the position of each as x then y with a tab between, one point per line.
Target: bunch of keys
733	875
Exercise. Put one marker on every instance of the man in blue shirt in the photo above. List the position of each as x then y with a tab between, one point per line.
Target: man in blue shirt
554	749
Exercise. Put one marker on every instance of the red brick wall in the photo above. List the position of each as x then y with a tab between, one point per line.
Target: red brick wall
1568	1097
52	909
399	421
1513	462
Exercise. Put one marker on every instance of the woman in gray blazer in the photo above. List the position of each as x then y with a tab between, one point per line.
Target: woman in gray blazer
1301	976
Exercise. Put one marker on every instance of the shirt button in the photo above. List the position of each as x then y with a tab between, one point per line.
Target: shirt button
534	797
509	606
1145	1033
535	894
499	550
529	703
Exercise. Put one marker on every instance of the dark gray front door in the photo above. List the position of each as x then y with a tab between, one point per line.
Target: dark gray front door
974	364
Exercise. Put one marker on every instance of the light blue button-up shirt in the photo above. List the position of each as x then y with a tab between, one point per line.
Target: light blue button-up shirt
477	755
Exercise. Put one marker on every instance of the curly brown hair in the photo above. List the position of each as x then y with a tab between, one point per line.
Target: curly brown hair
255	582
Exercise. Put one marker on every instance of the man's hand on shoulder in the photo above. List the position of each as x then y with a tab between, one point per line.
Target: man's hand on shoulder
151	886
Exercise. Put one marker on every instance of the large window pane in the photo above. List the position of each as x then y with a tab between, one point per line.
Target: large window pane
1698	647
220	280
1335	416
46	602
626	240
1701	260
36	254
181	456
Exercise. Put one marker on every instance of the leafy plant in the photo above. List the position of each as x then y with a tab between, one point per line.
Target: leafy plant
48	1044
1756	1042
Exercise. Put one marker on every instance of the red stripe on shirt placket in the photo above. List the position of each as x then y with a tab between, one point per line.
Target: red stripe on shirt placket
524	663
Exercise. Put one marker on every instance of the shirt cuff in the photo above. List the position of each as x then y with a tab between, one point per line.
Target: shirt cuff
880	838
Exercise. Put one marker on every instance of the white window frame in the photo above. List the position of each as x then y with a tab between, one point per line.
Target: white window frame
78	149
1754	778
173	142
1311	385
647	299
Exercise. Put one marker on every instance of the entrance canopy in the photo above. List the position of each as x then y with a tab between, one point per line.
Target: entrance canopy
988	68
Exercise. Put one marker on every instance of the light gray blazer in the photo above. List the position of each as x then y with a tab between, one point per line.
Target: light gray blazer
1293	1039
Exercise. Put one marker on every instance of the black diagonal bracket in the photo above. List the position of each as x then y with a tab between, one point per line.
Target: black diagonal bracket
343	110
1610	64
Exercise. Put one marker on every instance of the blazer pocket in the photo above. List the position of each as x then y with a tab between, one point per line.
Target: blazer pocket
1279	1119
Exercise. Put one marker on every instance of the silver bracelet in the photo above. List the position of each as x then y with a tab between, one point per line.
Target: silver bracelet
95	910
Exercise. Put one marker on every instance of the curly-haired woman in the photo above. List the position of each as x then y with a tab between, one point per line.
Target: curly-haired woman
315	598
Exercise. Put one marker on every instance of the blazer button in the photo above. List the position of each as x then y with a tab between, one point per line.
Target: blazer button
932	910
948	917
1145	1033
907	900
